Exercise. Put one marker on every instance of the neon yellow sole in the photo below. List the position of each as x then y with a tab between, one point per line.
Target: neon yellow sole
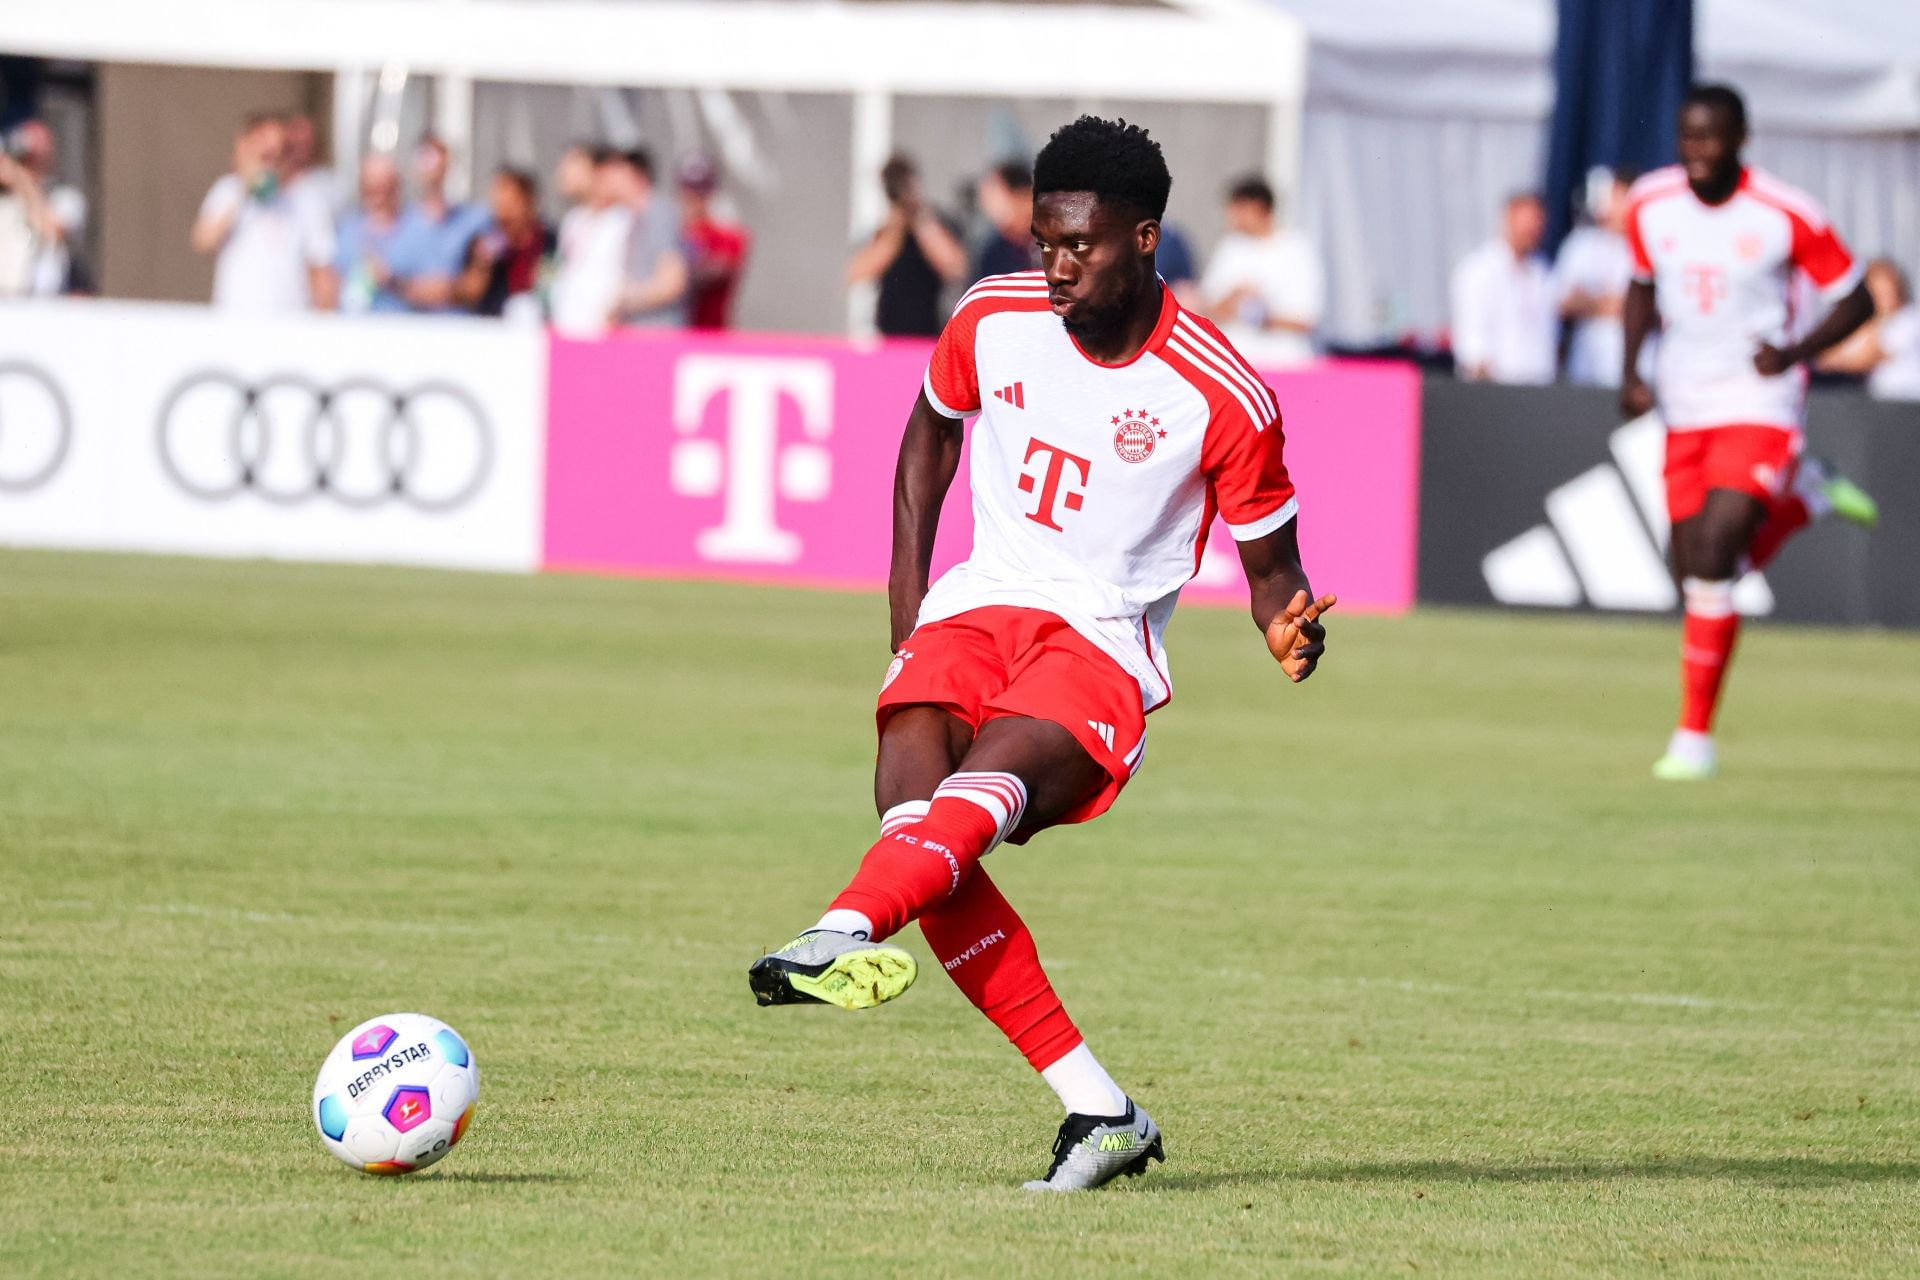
1674	769
861	979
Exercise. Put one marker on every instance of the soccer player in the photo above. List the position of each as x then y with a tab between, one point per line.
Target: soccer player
1112	425
1715	246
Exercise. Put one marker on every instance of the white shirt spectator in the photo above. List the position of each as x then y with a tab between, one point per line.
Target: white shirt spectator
1281	276
592	269
1595	262
52	267
1505	321
263	264
1897	376
317	194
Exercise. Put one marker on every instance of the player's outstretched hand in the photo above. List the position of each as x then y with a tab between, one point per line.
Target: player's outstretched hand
1295	637
1770	360
1636	398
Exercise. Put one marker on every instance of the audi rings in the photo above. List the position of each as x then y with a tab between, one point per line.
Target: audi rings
36	427
357	441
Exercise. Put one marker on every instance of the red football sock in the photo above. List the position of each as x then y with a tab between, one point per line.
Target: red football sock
916	865
1706	646
1786	516
990	956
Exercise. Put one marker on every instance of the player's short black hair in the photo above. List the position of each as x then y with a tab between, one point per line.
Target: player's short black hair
1252	187
1016	174
642	161
1724	96
1115	160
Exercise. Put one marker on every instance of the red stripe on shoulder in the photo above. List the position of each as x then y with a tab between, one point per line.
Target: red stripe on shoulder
1662	181
975	307
1212	342
1785	197
1227	404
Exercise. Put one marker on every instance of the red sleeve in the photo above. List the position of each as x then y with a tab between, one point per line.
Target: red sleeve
1817	250
952	383
1642	264
1246	470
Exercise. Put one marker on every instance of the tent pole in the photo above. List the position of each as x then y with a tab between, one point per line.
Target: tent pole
866	203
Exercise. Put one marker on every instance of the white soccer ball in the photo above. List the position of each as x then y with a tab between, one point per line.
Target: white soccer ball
396	1093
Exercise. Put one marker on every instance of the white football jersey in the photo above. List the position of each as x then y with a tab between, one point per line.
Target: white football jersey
1094	484
1723	281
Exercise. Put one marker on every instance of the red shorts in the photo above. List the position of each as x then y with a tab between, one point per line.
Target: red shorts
1006	661
1750	459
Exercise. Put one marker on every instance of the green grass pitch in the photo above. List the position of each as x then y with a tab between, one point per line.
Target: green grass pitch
1418	969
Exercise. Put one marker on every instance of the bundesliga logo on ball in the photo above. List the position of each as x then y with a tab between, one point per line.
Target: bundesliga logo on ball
396	1093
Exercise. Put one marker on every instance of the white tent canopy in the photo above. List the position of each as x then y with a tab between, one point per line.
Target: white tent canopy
1188	51
1422	115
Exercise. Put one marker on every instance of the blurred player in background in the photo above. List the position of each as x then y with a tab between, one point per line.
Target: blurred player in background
1113	425
1715	247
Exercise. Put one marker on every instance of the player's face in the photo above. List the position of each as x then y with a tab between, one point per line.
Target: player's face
1093	258
1709	144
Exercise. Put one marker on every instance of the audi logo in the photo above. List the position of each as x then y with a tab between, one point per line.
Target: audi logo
357	442
36	427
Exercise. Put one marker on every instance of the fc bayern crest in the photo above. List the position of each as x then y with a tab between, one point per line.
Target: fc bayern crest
1135	433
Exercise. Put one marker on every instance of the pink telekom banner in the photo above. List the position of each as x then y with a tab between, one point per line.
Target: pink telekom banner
771	459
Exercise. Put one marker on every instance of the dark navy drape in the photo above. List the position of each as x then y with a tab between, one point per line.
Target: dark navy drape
1620	69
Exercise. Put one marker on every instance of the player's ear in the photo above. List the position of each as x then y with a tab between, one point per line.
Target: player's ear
1146	235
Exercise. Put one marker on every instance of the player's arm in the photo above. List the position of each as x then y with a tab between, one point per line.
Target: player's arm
1638	316
1848	314
1284	607
929	458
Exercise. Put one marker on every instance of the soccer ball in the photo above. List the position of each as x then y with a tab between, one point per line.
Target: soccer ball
396	1093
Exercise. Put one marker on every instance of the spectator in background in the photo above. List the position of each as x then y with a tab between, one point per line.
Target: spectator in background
913	256
363	272
504	262
1886	349
592	262
1590	279
573	180
716	249
1504	318
1173	259
429	252
270	255
1264	286
653	294
23	221
58	266
307	181
1005	193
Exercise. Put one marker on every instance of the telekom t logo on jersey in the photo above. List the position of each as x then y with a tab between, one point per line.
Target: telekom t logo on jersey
1050	478
749	468
1705	284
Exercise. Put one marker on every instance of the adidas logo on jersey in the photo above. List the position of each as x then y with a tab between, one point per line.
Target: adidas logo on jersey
1605	539
1014	395
1104	730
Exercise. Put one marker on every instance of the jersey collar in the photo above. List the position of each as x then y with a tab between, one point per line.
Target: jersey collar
1169	309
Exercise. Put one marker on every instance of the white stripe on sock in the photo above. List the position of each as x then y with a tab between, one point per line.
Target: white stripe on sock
904	814
1708	599
1002	795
